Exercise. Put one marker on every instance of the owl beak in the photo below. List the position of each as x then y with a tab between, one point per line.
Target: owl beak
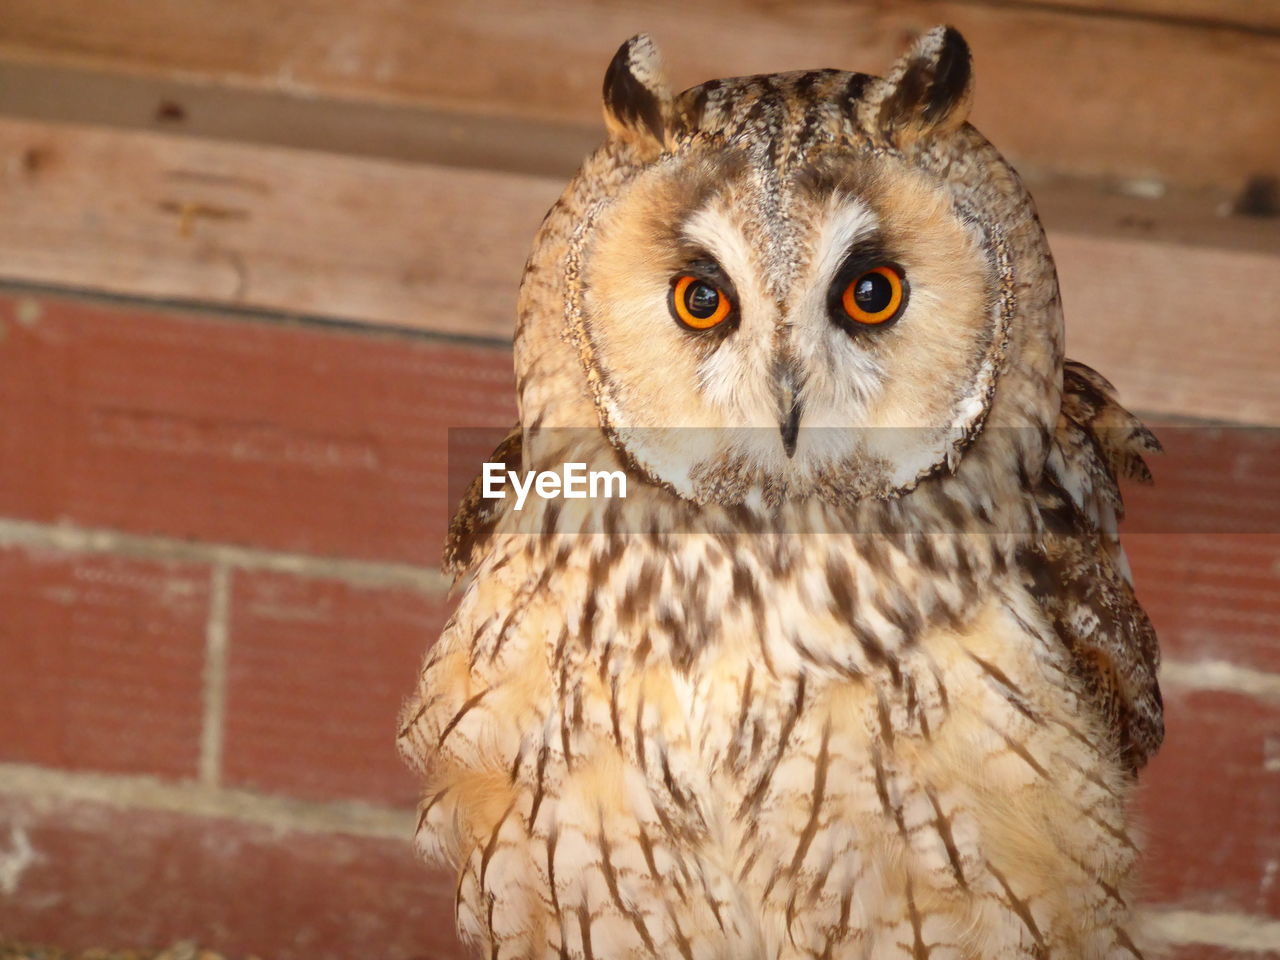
790	409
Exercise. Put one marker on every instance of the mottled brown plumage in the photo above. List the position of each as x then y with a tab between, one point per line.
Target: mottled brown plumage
855	669
1078	572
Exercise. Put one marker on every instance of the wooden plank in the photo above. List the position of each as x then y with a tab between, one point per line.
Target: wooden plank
1057	90
174	217
1180	330
1259	15
1174	303
398	131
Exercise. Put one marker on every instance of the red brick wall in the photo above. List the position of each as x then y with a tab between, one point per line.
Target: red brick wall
218	548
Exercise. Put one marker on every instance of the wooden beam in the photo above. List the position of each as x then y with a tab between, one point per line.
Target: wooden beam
1255	15
399	131
1058	90
1173	302
180	218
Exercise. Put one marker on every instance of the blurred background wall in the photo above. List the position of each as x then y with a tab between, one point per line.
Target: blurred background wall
256	256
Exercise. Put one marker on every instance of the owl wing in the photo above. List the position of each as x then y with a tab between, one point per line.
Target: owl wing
1078	572
477	514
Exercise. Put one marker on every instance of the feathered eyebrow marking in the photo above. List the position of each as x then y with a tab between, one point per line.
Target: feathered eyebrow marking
848	223
722	242
689	251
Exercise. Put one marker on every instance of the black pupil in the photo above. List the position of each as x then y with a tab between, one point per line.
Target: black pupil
701	299
873	292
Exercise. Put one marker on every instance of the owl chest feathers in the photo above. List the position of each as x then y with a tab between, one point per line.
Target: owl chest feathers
776	743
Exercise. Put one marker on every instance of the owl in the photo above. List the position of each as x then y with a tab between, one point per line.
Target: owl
855	669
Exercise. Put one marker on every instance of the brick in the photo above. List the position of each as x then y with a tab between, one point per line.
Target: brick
1211	803
106	876
1210	479
100	875
1204	542
1211	596
102	661
316	676
298	437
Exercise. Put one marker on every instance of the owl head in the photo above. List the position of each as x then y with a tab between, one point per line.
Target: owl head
797	284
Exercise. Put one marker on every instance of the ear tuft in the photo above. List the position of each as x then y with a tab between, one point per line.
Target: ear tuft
637	100
928	90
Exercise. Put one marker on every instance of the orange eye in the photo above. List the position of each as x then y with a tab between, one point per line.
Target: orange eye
697	304
875	297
